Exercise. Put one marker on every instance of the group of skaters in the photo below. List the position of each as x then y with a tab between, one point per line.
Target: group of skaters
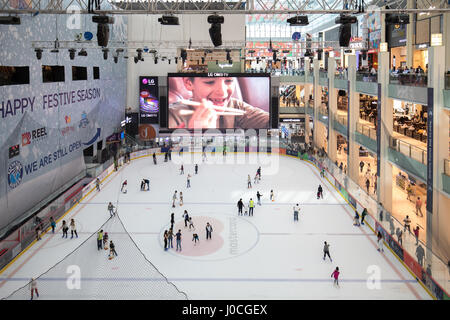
169	234
335	274
256	180
102	244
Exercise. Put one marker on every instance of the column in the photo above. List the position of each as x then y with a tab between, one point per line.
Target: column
332	110
352	120
437	150
316	98
410	4
307	93
384	132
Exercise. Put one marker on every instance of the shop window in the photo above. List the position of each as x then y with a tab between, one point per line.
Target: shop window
14	75
53	74
96	73
79	73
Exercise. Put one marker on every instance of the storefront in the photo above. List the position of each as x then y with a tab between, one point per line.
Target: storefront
410	119
292	95
420	57
368	108
293	129
396	39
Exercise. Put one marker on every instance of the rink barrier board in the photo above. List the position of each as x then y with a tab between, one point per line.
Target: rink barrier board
418	277
85	191
145	153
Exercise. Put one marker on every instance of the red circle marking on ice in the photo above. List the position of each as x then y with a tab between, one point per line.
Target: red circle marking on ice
203	247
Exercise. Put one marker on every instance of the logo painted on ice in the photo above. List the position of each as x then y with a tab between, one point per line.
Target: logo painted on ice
84	120
15	174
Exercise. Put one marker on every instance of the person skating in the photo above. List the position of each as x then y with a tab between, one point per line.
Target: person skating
356	219
191	224
111	209
182	170
296	211
380	241
105	241
112	250
170	238
65	229
195	238
249	182
188	181
97	184
124	187
73	229
172	219
196	168
399	234
166	239
174	198
258	195
142	185
181	199
335	274
178	236
255	180
209	231
186	218
154	158
319	192
52	224
251	205
272	197
204	156
240	205
33	287
420	253
100	240
326	251
147	184
363	215
258	172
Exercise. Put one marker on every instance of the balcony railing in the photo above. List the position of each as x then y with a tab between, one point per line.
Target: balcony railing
366	76
323	74
409	150
366	130
409	79
341	75
323	109
447	167
342	119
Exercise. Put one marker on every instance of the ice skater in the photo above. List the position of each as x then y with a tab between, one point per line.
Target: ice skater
188	183
251	206
172	220
240	205
147	184
258	172
204	156
186	218
182	170
105	240
319	192
380	241
178	237
170	238
249	182
195	238
53	224
142	185
196	168
166	239
259	195
363	215
100	240
335	274
255	180
209	231
326	251
111	209
154	158
272	197
124	187
191	224
296	211
181	199
97	184
112	250
73	228
33	287
356	219
174	198
65	229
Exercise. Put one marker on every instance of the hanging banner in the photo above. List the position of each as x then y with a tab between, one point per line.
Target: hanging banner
148	99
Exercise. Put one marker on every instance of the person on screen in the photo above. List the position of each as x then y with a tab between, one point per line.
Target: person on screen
212	95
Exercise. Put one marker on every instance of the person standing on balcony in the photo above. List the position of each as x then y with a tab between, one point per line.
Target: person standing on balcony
407	222
416	234
419	206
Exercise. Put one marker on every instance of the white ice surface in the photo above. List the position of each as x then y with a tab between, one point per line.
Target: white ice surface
267	256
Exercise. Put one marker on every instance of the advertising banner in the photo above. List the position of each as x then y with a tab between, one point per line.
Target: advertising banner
148	99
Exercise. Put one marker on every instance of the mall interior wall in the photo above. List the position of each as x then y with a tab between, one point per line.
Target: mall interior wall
49	119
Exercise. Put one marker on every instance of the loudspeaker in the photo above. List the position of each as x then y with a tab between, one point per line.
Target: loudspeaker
215	32
102	34
274	113
345	33
163	112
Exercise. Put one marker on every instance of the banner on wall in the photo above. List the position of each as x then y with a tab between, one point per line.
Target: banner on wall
148	99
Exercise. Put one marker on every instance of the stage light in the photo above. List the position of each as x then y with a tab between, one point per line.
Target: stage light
38	53
105	53
169	20
136	59
215	31
345	33
82	53
139	53
72	54
298	21
116	58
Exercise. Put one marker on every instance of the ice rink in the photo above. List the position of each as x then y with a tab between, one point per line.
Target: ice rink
266	256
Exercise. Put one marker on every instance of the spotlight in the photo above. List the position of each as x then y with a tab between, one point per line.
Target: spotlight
176	59
344	19
345	33
298	21
116	58
169	20
105	53
72	54
136	59
228	54
397	19
38	53
102	34
82	53
119	50
215	31
156	60
9	20
168	60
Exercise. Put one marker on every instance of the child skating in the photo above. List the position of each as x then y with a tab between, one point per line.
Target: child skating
181	198
272	197
249	182
124	187
195	238
174	198
335	274
191	223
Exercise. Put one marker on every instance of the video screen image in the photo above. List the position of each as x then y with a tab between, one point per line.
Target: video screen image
223	102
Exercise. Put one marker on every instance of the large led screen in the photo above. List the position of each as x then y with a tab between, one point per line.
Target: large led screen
148	99
218	100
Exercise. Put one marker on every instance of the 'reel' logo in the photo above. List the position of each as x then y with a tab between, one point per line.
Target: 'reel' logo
26	138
